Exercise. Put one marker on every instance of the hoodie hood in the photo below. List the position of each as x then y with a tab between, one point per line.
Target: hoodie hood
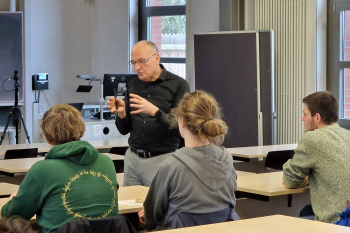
79	152
212	165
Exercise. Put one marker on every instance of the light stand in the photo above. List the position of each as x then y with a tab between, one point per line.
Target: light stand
102	100
15	113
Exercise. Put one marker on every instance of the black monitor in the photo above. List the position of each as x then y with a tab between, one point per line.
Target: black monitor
78	106
116	84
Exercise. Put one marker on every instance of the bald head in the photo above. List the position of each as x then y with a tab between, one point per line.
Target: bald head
146	59
146	44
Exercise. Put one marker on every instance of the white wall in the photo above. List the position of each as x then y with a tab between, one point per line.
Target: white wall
66	38
201	16
4	5
316	18
110	36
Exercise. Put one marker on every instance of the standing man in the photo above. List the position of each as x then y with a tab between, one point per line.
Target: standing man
322	158
144	113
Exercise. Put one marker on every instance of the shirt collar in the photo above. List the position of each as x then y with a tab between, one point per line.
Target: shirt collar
162	76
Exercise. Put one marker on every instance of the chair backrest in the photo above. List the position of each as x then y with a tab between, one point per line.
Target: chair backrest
188	219
118	164
21	153
275	159
78	106
118	150
118	224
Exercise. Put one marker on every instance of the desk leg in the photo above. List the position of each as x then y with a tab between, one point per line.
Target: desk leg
289	200
240	194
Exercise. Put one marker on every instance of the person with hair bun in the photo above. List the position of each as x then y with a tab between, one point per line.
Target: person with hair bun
198	178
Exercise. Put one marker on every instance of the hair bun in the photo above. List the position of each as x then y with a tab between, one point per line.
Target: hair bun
209	119
214	127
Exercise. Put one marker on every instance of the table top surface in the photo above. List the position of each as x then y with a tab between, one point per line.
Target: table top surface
7	189
45	147
114	156
129	193
18	165
267	184
244	173
24	164
267	224
259	151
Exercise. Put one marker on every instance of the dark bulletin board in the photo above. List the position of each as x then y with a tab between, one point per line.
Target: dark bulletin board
226	66
11	55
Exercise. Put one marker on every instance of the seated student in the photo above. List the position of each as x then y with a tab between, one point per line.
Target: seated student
74	180
345	216
198	178
321	159
15	224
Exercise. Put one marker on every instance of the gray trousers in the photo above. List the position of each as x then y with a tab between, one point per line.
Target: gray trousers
140	171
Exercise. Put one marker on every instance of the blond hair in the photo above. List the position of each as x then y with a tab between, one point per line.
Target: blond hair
202	116
62	123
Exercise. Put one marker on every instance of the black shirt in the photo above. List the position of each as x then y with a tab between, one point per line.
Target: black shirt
147	132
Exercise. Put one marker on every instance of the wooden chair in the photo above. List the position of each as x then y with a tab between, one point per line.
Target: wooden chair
21	153
275	159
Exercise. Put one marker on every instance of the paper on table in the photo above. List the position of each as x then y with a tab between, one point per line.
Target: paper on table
132	203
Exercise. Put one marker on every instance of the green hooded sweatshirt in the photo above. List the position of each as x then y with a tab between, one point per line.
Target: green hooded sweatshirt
74	181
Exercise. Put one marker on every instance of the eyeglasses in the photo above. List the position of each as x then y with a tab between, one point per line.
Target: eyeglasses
140	62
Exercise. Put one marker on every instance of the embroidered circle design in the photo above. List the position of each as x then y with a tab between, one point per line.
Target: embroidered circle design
80	175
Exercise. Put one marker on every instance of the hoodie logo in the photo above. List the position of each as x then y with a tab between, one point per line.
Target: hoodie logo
81	179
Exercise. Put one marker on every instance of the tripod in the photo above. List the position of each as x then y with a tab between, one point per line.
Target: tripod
15	113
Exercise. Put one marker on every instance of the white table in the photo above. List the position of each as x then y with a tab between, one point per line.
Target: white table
7	189
262	186
12	166
267	224
266	184
44	147
128	193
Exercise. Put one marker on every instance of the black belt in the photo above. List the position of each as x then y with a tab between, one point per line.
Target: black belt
146	154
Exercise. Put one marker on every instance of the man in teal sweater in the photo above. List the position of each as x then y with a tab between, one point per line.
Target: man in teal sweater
74	180
322	158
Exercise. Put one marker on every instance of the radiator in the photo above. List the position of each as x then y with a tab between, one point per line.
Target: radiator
287	19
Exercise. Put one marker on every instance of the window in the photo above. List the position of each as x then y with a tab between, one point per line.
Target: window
164	23
339	57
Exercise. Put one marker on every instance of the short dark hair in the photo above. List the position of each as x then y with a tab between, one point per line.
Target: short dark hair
324	103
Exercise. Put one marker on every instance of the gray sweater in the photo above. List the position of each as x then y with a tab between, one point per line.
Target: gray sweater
192	180
324	156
